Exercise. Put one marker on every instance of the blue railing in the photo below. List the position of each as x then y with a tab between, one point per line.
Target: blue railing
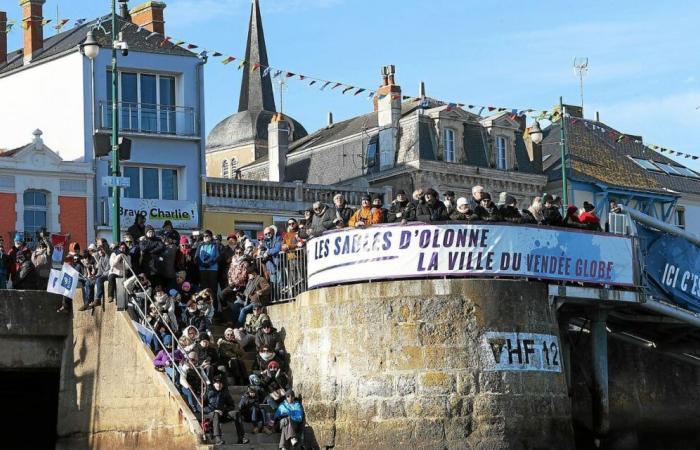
150	119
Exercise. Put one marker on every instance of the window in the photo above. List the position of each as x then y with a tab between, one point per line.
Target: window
680	217
251	229
501	152
646	164
449	145
669	169
224	169
147	102
151	183
686	172
234	166
35	209
68	185
372	150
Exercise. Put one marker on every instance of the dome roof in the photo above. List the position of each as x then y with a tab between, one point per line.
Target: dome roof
246	127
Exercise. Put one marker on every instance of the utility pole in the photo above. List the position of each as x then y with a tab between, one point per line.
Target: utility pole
116	191
562	144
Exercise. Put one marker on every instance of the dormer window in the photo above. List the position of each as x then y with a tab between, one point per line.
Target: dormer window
501	152
449	145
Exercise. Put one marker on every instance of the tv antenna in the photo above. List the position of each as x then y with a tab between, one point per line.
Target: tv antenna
283	87
581	69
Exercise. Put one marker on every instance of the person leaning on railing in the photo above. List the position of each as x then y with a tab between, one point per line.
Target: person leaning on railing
401	210
342	211
366	215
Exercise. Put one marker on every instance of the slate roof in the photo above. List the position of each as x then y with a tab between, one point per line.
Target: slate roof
14	151
69	40
596	157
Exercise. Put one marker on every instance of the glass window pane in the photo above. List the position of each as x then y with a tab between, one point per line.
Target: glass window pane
150	183
129	103
39	198
29	198
28	220
169	182
133	173
149	119
167	105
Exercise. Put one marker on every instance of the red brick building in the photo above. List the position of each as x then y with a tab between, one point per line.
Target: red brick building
39	190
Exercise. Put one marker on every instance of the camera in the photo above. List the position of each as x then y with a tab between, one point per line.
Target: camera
120	44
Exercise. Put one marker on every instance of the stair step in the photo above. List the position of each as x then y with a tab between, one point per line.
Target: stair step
249	446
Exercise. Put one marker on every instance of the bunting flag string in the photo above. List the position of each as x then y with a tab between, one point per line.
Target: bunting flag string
59	26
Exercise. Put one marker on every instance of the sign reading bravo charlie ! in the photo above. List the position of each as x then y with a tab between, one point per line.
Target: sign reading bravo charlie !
420	251
520	352
183	215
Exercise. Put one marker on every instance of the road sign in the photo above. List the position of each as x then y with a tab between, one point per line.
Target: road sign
120	182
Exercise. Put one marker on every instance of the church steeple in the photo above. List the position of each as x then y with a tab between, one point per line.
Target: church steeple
256	91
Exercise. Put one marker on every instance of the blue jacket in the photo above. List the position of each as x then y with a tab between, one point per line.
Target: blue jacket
292	410
207	256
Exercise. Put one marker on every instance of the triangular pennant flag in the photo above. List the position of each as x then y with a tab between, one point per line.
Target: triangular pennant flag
336	85
192	46
228	60
242	63
256	66
620	138
45	21
203	54
79	22
696	157
61	24
360	91
382	96
178	43
302	77
8	26
217	54
514	112
325	85
290	74
371	94
312	82
167	39
491	108
687	156
450	107
266	72
471	106
277	73
349	88
501	109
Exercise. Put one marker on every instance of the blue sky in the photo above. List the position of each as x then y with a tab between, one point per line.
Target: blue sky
644	74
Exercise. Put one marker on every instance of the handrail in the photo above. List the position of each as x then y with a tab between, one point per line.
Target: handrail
204	380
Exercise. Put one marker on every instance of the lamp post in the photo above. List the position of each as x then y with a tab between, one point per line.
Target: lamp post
115	129
536	133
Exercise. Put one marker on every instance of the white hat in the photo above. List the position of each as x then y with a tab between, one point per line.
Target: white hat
462	201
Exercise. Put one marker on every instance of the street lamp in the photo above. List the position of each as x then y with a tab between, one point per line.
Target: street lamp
536	133
90	47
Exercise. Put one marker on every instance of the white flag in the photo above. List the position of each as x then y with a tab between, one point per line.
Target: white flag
64	282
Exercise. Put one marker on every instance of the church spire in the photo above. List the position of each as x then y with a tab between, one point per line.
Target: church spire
256	91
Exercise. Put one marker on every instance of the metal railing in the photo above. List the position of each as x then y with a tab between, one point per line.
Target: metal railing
286	273
143	318
150	118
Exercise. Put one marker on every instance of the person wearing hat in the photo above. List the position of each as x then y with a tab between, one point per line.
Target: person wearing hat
163	361
487	211
168	229
462	213
342	211
432	210
206	351
138	228
509	211
151	248
321	220
26	275
253	322
230	357
290	415
550	212
450	202
533	214
276	382
589	218
378	204
207	257
249	406
267	336
220	408
18	247
365	215
571	219
401	209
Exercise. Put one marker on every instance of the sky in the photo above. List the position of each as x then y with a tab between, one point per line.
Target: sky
643	76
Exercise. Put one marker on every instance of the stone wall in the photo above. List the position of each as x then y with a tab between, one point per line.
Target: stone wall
110	395
401	365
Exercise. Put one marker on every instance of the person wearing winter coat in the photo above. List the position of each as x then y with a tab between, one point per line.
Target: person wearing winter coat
220	408
230	356
321	221
264	357
462	213
366	215
401	210
102	266
487	211
267	336
510	212
249	406
378	204
88	272
269	253
475	199
417	198
550	213
19	247
589	218
533	214
138	228
194	317
166	359
275	382
41	258
450	202
26	277
290	415
571	220
151	249
207	257
342	211
4	265
246	335
433	210
118	261
165	264
205	351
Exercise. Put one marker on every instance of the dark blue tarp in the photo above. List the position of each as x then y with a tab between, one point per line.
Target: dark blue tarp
671	267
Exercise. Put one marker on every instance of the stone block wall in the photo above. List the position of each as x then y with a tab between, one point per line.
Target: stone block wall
401	364
110	395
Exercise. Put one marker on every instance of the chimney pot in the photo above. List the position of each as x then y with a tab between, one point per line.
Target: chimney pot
32	17
421	89
330	119
3	38
150	16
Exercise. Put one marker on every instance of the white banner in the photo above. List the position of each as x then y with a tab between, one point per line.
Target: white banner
424	251
183	215
63	282
520	352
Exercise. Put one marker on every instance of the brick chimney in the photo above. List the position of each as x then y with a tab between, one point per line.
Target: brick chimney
387	103
277	147
3	38
150	16
32	16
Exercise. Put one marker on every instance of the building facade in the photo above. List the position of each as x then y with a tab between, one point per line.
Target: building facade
41	191
53	86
